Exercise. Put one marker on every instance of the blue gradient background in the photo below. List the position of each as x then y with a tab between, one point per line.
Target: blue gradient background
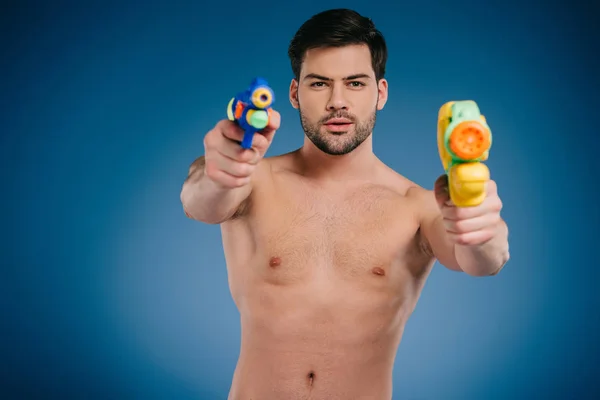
108	291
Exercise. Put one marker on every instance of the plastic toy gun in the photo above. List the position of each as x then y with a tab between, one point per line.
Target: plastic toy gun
464	141
251	109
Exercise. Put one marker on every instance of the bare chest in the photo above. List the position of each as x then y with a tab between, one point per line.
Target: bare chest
363	235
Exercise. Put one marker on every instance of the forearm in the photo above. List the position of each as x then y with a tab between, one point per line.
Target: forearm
487	258
205	201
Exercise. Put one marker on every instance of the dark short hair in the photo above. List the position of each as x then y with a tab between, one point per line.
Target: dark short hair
337	28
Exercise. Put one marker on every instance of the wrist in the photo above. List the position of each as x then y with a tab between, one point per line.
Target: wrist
486	258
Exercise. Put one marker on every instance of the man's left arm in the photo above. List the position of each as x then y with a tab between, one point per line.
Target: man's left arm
469	239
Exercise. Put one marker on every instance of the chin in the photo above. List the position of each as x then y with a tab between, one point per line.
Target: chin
337	144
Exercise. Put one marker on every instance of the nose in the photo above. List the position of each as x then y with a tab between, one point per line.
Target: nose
337	100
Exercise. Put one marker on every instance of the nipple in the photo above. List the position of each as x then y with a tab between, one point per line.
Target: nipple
378	271
274	262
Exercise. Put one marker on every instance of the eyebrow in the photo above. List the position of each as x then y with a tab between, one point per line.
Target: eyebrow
347	78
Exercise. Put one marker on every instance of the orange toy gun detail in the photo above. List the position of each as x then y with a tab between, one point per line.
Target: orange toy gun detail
464	140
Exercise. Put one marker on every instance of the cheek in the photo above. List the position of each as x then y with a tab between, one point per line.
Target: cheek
374	98
312	106
310	99
365	100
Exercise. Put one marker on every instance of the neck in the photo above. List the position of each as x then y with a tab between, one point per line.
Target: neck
355	165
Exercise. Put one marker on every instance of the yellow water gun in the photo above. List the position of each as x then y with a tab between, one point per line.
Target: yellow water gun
464	142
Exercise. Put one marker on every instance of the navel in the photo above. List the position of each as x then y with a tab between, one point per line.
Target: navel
311	378
274	262
378	271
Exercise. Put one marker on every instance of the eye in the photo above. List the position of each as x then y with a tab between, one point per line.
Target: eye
356	84
317	84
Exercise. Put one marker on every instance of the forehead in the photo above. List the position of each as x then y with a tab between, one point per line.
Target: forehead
338	62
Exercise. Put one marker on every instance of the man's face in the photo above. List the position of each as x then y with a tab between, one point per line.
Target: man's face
338	97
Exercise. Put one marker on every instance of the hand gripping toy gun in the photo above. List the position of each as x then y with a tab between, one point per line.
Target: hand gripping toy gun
251	109
464	141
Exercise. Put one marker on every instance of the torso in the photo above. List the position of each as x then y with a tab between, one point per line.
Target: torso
325	281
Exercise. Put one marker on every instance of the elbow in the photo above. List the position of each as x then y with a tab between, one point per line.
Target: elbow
500	266
184	198
195	210
190	209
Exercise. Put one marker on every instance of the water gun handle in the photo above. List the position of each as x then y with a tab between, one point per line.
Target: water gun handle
251	109
464	142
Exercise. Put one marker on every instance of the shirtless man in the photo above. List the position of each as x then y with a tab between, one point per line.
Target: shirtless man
327	249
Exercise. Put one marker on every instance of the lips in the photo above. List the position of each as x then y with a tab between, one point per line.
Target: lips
338	124
338	121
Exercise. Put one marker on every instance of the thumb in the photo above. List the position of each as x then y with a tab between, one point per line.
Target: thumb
440	189
274	122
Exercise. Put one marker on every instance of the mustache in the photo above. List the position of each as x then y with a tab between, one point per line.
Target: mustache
338	114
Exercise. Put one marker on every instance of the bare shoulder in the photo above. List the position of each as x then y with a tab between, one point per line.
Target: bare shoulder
281	163
262	182
425	204
422	199
268	168
418	201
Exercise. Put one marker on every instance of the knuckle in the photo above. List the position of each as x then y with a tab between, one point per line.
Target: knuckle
459	213
234	181
239	182
460	226
228	181
463	239
232	130
223	125
499	204
495	204
246	156
242	169
209	139
210	169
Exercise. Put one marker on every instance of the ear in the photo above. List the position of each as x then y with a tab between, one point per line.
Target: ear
294	94
382	88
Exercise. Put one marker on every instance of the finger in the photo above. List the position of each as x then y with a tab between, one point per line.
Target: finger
491	205
230	181
440	189
471	238
491	188
274	122
235	152
223	139
260	143
471	224
223	178
462	213
234	168
224	131
230	130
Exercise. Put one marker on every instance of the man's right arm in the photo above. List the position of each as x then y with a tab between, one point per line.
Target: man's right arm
220	182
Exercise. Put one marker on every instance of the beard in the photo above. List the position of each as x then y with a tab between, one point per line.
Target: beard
338	143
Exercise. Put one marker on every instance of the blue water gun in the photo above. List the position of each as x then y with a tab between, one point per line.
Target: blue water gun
251	109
